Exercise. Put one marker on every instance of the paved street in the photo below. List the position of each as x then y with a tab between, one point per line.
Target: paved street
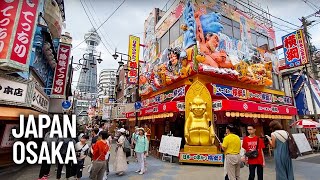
306	168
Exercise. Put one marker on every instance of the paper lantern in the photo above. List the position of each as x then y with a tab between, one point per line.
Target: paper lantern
246	114
258	115
233	114
255	115
171	114
237	114
241	114
228	114
250	115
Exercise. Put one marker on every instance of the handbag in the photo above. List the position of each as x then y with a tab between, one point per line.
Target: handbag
253	154
292	146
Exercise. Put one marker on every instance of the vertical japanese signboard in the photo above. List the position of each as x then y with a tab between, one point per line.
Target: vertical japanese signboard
17	22
295	50
133	63
61	72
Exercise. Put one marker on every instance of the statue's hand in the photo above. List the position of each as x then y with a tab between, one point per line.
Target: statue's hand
186	136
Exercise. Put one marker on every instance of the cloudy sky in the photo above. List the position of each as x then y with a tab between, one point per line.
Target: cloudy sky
130	17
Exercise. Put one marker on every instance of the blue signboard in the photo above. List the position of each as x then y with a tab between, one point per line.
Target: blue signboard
137	105
66	105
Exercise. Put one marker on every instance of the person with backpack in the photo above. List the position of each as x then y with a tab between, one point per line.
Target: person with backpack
141	149
253	145
279	141
81	148
63	152
120	163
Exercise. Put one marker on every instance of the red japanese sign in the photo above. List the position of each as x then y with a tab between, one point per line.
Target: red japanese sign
174	106
8	12
61	72
230	92
176	94
24	34
295	50
244	106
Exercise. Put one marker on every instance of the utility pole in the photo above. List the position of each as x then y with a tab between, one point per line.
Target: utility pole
305	25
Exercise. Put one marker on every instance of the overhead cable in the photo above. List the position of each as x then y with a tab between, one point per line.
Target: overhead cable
100	24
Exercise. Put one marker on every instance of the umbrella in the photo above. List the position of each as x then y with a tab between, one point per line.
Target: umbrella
306	123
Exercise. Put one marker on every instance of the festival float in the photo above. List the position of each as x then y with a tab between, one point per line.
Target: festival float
208	78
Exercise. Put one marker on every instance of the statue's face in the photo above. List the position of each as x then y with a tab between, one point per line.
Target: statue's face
198	107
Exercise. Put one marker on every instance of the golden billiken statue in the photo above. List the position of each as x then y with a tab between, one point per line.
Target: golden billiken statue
198	128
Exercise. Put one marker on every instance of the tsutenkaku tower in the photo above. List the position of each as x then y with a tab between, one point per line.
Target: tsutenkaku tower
88	80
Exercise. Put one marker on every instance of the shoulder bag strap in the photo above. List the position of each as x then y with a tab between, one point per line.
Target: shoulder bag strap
257	147
282	136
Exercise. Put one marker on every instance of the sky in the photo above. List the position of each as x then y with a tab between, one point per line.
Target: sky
130	17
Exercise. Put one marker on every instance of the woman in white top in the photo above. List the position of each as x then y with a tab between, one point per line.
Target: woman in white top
81	148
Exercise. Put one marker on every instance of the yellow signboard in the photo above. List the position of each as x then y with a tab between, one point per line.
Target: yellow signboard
133	63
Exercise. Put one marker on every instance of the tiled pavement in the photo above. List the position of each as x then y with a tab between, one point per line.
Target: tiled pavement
159	170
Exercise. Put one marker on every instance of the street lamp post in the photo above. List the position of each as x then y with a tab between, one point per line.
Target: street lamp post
121	63
88	62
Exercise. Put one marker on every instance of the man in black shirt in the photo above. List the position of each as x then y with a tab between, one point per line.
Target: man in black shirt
95	136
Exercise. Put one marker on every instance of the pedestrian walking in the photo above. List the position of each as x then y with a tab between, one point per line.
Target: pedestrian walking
120	163
279	142
109	142
141	149
134	137
100	150
45	166
81	148
231	146
253	145
63	152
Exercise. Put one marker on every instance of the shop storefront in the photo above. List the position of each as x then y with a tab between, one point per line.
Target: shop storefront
231	103
17	97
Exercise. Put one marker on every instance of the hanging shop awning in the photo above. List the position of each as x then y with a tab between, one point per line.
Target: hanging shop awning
13	113
156	116
246	106
163	108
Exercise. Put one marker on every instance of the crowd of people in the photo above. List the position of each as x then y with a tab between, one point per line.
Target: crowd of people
254	156
96	143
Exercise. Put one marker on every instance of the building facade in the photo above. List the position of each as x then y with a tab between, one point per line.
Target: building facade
217	55
107	83
27	73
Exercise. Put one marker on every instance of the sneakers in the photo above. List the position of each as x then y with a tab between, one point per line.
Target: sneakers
137	171
141	173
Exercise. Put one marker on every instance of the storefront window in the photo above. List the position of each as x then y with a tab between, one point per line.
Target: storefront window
271	43
262	40
181	21
164	41
236	30
174	32
253	37
275	80
227	26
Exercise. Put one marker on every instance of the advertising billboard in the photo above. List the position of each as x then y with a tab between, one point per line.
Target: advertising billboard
294	48
133	63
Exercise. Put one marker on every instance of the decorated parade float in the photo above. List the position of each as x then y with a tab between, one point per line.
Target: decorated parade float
217	69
